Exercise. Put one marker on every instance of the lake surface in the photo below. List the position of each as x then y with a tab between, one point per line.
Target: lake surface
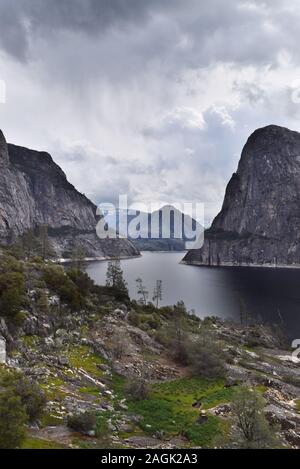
268	295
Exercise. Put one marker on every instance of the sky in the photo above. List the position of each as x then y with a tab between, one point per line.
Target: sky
155	98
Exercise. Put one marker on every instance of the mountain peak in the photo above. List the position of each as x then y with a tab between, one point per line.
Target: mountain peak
168	207
259	222
273	137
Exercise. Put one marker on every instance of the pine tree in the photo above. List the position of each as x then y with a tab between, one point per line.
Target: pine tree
114	276
142	291
157	292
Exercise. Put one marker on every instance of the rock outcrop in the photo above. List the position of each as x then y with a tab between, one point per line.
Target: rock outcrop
259	223
34	191
2	350
100	356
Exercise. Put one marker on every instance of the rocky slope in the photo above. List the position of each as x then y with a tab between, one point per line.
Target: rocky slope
82	354
34	191
259	222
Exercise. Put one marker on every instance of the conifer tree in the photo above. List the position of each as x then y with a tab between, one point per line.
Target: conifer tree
157	293
115	277
142	291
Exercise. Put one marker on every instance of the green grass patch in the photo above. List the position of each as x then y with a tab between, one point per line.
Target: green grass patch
163	416
158	415
261	388
30	340
118	384
38	443
205	434
186	391
80	356
92	390
170	410
51	420
52	386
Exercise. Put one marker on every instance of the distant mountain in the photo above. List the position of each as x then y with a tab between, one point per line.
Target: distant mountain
173	228
34	191
259	224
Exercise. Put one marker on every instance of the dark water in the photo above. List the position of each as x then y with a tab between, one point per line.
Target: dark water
267	295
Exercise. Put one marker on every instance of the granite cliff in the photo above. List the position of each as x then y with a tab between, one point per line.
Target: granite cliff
259	223
34	191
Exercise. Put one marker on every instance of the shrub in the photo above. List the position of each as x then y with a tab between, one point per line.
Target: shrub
253	428
58	281
162	336
134	318
82	422
153	322
82	281
10	264
42	301
12	292
119	295
166	311
12	420
32	397
19	318
118	346
174	336
137	389
181	352
206	357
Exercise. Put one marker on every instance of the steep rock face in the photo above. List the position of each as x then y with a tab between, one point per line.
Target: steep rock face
34	191
259	223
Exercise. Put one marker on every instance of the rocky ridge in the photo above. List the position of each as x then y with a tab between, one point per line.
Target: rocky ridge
259	222
83	357
34	191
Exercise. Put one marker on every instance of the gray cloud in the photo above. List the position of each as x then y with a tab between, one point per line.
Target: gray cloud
153	97
228	31
23	22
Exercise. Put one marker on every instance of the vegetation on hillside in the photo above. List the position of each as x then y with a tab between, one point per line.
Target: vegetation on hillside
77	338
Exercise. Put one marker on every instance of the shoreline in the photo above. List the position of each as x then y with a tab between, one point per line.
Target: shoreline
165	252
105	259
229	264
95	259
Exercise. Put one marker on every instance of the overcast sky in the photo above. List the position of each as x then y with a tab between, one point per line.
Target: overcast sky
153	98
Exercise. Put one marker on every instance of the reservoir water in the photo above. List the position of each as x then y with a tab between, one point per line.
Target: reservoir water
266	295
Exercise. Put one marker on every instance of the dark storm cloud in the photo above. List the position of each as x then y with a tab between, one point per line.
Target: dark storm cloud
230	31
22	21
90	16
169	89
13	35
